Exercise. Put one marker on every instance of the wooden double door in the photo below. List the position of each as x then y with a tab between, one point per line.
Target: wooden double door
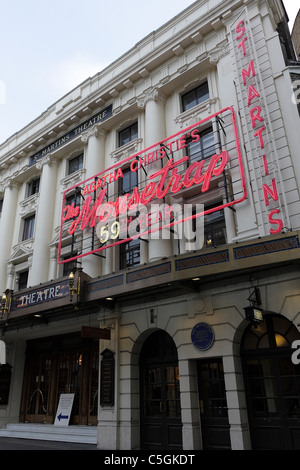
58	365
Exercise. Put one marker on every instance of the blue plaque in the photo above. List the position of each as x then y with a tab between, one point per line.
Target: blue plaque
202	336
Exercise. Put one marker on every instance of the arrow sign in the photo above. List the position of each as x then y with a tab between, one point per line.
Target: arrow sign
64	409
60	416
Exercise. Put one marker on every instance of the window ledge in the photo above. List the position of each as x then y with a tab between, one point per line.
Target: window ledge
196	113
73	178
126	150
29	204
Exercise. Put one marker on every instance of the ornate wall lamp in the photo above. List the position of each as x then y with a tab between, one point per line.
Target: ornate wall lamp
5	303
72	288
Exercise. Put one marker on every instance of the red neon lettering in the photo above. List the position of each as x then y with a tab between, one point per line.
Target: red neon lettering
242	45
148	193
193	176
255	115
252	93
240	29
87	216
195	135
265	164
277	222
272	192
259	135
246	73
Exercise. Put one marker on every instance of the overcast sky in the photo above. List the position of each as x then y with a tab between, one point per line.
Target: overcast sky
47	47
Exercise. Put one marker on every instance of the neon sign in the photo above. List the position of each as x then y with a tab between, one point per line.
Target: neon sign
259	126
164	173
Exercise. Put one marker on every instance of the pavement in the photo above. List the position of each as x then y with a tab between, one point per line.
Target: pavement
10	443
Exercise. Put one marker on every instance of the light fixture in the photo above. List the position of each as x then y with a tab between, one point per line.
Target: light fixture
72	289
5	303
254	313
109	298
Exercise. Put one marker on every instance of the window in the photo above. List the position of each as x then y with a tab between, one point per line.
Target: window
33	187
74	198
195	96
28	227
214	228
1	205
128	134
23	278
129	254
68	267
75	164
128	182
203	148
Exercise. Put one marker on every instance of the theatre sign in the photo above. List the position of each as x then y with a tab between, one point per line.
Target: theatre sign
105	214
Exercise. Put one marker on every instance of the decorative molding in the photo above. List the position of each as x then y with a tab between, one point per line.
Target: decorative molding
29	205
196	113
74	178
152	95
126	150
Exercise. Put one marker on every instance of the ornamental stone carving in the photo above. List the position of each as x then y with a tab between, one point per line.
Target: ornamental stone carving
151	95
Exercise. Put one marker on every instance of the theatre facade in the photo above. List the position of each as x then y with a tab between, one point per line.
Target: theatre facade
149	257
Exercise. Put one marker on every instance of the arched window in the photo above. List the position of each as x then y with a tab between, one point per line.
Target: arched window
272	384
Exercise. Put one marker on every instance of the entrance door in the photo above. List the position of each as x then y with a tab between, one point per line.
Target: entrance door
161	427
57	365
37	410
272	384
215	427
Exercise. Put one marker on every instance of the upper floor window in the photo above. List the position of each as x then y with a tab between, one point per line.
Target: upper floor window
202	148
128	134
128	182
23	279
68	267
33	187
75	164
73	198
130	254
1	205
195	96
214	228
28	229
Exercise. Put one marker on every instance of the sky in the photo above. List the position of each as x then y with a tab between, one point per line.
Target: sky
48	47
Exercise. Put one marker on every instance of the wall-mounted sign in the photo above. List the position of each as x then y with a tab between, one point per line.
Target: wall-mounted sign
66	138
47	293
202	336
113	211
107	384
261	151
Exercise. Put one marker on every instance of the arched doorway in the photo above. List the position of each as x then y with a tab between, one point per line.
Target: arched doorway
161	427
272	384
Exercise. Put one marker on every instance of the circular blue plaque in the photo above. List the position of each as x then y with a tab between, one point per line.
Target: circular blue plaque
202	336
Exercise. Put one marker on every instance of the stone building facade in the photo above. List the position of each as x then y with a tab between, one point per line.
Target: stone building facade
159	339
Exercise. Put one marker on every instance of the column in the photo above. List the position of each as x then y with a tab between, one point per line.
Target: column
44	222
7	223
237	410
94	139
155	131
